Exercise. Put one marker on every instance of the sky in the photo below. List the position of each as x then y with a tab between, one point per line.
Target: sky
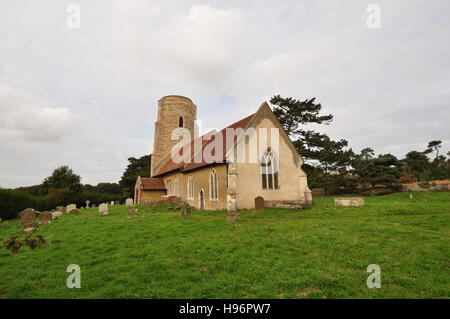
87	97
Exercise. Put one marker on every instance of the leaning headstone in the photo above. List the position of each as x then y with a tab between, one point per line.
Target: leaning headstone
87	203
231	218
349	202
186	210
56	214
27	218
45	218
132	211
70	207
129	202
259	203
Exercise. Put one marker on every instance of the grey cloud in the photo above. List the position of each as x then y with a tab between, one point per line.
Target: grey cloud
87	97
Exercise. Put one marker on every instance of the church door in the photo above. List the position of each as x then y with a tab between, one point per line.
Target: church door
201	199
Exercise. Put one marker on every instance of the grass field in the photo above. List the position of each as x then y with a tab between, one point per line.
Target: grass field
321	252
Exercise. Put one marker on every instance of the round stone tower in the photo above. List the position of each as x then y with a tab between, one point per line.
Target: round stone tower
173	111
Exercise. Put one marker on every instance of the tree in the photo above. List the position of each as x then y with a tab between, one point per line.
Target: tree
136	167
107	188
363	165
294	115
381	170
434	146
333	156
59	196
417	164
63	177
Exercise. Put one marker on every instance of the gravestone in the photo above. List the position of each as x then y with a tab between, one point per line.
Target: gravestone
231	218
29	230
129	202
74	211
70	207
259	203
117	202
132	211
87	203
103	208
93	205
186	210
27	218
61	209
56	214
349	202
45	218
112	203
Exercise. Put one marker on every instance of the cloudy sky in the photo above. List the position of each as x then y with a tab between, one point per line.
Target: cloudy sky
87	97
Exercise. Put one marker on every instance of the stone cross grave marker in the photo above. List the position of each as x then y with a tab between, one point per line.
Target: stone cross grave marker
186	210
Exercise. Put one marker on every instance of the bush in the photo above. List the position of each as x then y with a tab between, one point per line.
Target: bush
13	202
96	198
377	192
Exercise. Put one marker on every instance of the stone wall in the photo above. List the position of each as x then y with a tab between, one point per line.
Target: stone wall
170	200
152	195
170	108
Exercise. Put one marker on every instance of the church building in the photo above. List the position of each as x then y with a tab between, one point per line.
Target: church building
222	170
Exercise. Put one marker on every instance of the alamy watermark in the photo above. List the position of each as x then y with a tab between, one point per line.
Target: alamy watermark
73	20
374	279
234	145
374	19
74	280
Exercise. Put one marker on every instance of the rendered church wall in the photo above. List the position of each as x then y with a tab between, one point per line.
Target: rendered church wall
292	179
201	181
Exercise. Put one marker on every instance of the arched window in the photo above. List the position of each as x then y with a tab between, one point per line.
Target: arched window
190	187
181	122
269	169
213	185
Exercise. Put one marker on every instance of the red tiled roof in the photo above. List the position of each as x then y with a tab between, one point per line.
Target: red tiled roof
168	165
152	183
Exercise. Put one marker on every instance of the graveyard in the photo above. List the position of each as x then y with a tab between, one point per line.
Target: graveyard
318	252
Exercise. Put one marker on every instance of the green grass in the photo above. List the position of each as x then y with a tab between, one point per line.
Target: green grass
321	252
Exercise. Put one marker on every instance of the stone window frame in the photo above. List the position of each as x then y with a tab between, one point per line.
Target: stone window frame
169	187
269	178
190	187
213	192
175	187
